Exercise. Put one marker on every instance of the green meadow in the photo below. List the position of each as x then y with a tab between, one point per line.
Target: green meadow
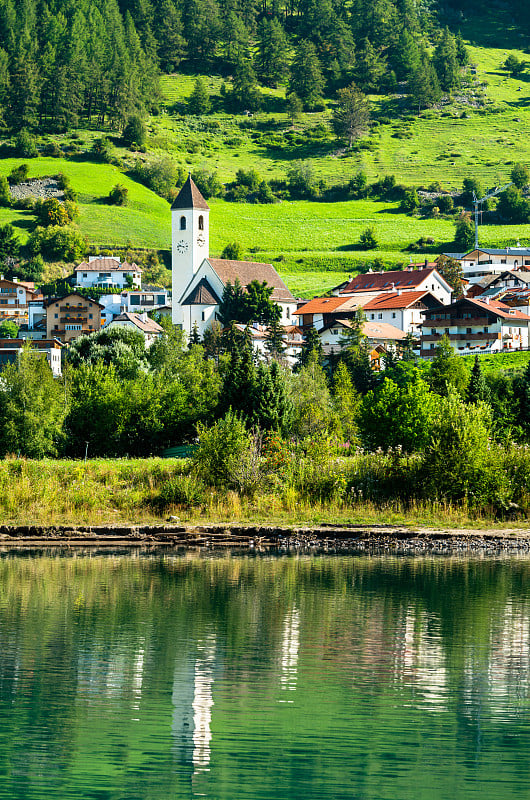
481	131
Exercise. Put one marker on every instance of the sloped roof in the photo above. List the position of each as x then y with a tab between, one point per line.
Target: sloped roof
373	330
394	300
377	281
247	271
321	305
50	300
108	264
146	326
499	308
190	197
201	295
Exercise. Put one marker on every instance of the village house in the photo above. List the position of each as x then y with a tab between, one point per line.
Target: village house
495	285
148	328
474	325
10	350
378	334
72	316
413	278
107	272
322	311
198	280
15	296
482	262
148	298
402	310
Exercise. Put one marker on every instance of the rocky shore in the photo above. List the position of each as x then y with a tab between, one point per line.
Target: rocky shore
324	538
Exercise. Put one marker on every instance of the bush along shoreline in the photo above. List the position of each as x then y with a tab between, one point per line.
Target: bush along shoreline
424	439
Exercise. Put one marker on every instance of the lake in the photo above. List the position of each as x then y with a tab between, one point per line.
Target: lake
168	675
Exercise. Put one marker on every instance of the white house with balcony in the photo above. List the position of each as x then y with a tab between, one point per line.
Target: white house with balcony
482	262
107	272
475	325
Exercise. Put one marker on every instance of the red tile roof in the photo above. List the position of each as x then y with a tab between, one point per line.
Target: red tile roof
394	300
322	305
403	279
499	308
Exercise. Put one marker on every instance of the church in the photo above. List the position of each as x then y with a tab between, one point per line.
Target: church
199	280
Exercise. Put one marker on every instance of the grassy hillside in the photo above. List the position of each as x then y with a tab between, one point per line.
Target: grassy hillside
481	132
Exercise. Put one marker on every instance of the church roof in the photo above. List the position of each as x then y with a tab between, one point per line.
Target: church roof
201	295
247	271
190	197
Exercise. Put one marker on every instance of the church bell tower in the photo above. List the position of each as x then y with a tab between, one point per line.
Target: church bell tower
190	241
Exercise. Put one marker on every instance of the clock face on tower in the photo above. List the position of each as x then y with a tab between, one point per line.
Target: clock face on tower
201	240
182	246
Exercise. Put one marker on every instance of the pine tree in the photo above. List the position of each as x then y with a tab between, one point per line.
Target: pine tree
446	62
306	74
199	100
311	349
168	30
406	57
272	64
194	337
351	117
274	343
369	67
477	389
245	94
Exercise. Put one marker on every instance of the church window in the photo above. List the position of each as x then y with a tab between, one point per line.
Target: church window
183	223
201	223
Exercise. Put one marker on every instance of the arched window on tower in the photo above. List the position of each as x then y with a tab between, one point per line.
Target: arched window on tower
183	223
201	223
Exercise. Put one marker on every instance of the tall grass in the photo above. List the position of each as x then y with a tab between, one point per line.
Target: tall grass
362	489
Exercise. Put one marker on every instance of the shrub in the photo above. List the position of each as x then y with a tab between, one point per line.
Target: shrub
25	144
135	131
232	252
58	242
18	174
118	195
103	149
445	203
5	194
221	448
368	239
410	200
185	491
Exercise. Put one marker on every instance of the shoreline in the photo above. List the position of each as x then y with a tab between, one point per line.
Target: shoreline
263	538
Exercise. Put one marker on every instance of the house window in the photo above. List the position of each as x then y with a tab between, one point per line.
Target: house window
486	329
160	299
134	299
446	330
372	316
90	316
183	223
56	316
380	316
85	275
468	330
432	345
335	332
201	223
393	314
288	313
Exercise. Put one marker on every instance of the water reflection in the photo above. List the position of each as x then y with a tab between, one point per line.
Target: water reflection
289	651
331	678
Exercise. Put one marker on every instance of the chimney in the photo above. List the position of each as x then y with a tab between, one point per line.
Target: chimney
143	316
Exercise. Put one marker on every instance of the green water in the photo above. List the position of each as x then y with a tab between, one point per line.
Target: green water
169	676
